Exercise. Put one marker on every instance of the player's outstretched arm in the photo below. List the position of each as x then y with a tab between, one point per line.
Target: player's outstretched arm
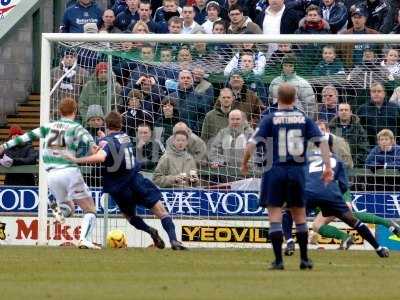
35	134
327	175
98	157
248	152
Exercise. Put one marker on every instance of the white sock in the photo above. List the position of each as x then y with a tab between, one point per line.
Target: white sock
87	226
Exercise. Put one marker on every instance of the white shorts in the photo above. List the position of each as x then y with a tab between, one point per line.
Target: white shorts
67	184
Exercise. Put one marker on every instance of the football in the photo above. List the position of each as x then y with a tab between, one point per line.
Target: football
116	239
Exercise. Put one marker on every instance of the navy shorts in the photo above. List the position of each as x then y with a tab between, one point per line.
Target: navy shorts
336	207
283	185
141	191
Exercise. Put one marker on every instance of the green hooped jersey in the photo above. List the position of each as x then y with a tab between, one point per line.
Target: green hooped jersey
58	138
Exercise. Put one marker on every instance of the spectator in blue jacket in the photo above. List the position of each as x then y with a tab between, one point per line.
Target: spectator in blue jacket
169	9
84	11
335	13
128	16
386	155
119	6
200	11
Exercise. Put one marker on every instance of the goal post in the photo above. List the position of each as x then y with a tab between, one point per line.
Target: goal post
196	206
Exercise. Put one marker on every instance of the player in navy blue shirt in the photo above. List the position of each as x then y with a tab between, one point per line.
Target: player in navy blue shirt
286	133
126	185
329	199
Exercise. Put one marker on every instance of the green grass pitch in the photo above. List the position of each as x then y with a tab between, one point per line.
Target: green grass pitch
67	273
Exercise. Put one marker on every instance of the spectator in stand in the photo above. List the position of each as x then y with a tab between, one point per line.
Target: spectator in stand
195	147
135	114
96	127
72	82
177	168
328	108
163	127
189	24
369	71
95	121
151	93
219	27
277	18
107	23
23	154
240	23
217	118
192	106
227	149
386	155
164	13
379	114
246	100
202	87
118	6
395	98
347	125
353	53
252	81
330	64
95	91
377	13
148	149
396	27
305	97
335	13
128	16
312	23
175	25
391	62
275	60
145	16
84	11
213	9
184	58
149	68
200	11
259	60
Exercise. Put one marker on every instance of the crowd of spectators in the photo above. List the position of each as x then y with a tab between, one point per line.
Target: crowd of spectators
189	106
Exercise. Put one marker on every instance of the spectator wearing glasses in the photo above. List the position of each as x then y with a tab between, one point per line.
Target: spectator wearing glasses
241	24
328	109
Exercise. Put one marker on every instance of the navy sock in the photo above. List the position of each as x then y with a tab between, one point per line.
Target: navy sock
364	231
169	227
138	223
302	239
276	236
287	225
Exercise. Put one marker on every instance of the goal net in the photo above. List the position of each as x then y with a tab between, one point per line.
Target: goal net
216	88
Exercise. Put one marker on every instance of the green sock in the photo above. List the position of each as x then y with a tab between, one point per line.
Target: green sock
371	219
332	232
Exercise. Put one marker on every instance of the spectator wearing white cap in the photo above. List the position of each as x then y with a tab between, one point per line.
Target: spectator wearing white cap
213	10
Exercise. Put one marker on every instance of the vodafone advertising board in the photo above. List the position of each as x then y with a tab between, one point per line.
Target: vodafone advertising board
6	6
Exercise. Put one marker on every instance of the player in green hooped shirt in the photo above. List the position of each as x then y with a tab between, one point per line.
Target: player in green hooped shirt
64	177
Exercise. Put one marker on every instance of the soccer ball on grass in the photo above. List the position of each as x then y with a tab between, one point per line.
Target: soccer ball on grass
116	239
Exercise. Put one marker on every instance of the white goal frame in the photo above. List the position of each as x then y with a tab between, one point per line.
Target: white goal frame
49	38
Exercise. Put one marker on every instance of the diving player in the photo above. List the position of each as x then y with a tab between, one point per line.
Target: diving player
126	185
329	198
286	133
